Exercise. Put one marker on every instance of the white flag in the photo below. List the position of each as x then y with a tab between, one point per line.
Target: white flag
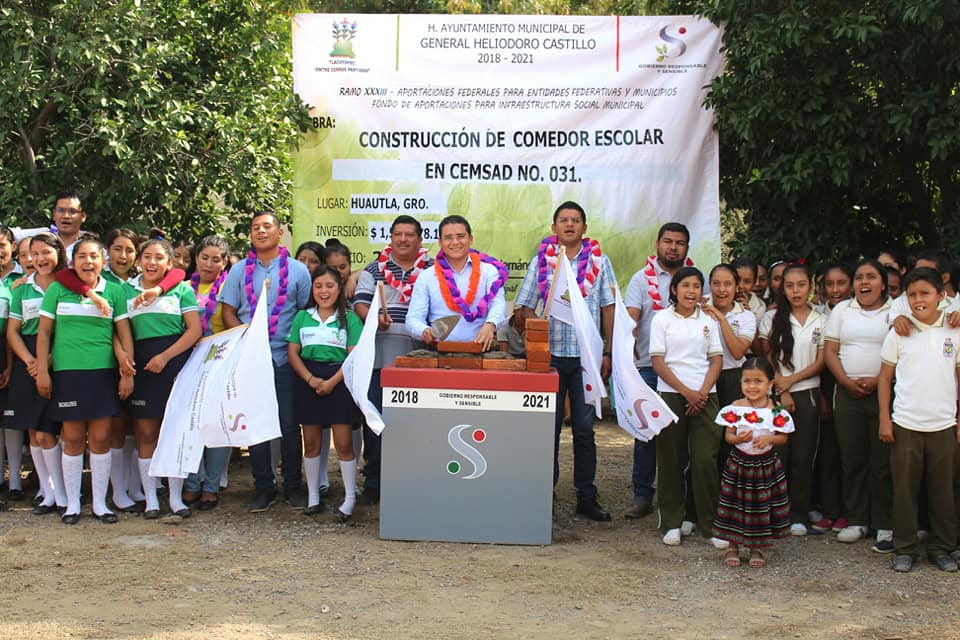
641	412
558	304
223	397
246	412
358	367
589	340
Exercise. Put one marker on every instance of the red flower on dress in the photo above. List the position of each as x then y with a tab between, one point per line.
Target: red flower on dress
752	417
731	417
779	420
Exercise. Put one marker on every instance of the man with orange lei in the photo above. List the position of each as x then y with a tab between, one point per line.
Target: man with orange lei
464	282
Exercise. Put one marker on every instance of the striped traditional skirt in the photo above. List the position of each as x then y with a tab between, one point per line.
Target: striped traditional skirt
754	505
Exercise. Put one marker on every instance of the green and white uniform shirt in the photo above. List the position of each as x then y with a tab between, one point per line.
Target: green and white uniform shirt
13	276
25	305
163	316
324	341
83	335
112	277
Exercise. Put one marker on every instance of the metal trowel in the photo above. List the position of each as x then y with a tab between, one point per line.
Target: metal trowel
443	327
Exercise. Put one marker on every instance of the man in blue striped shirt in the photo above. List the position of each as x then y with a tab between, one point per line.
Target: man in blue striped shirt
595	275
398	267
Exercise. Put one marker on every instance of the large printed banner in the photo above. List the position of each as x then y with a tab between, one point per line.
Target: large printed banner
502	118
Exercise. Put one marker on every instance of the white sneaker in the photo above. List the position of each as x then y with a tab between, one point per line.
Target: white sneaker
687	527
885	535
720	544
672	537
852	533
798	529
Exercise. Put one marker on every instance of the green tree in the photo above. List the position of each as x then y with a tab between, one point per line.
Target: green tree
161	113
839	123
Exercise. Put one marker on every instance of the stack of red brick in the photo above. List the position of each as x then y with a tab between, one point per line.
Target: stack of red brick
538	344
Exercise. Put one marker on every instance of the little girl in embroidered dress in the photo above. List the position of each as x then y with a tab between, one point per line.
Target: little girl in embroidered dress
754	505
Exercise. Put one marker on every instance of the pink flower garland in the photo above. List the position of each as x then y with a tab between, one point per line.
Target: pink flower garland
281	287
653	286
588	264
404	287
210	302
444	267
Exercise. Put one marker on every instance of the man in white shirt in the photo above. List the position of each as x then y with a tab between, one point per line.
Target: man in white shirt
68	215
446	290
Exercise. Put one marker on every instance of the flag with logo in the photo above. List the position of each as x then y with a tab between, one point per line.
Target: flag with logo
358	367
223	397
641	412
557	304
574	311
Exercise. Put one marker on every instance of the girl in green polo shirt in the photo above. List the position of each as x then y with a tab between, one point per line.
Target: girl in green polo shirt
27	409
320	339
13	439
84	386
164	332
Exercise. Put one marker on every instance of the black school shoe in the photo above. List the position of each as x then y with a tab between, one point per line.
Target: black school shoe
44	509
589	507
107	517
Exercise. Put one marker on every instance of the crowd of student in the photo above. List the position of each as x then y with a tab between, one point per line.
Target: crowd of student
796	365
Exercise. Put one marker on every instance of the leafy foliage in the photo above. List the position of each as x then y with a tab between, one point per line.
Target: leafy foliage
839	124
162	114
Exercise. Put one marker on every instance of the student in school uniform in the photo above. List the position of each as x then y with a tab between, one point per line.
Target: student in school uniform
686	354
26	410
854	334
792	338
922	429
84	387
164	332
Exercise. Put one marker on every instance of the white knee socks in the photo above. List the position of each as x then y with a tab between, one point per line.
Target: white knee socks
357	443
348	471
149	484
43	476
324	457
132	469
100	481
175	485
118	480
311	466
72	477
54	459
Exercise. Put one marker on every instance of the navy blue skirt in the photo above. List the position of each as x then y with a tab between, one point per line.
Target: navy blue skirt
85	394
336	408
25	408
152	390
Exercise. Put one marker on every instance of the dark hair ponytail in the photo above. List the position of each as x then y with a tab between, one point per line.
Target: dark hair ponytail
781	333
341	304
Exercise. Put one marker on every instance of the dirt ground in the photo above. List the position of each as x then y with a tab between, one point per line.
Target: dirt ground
230	574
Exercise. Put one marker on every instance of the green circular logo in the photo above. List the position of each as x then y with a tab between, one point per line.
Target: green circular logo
453	467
